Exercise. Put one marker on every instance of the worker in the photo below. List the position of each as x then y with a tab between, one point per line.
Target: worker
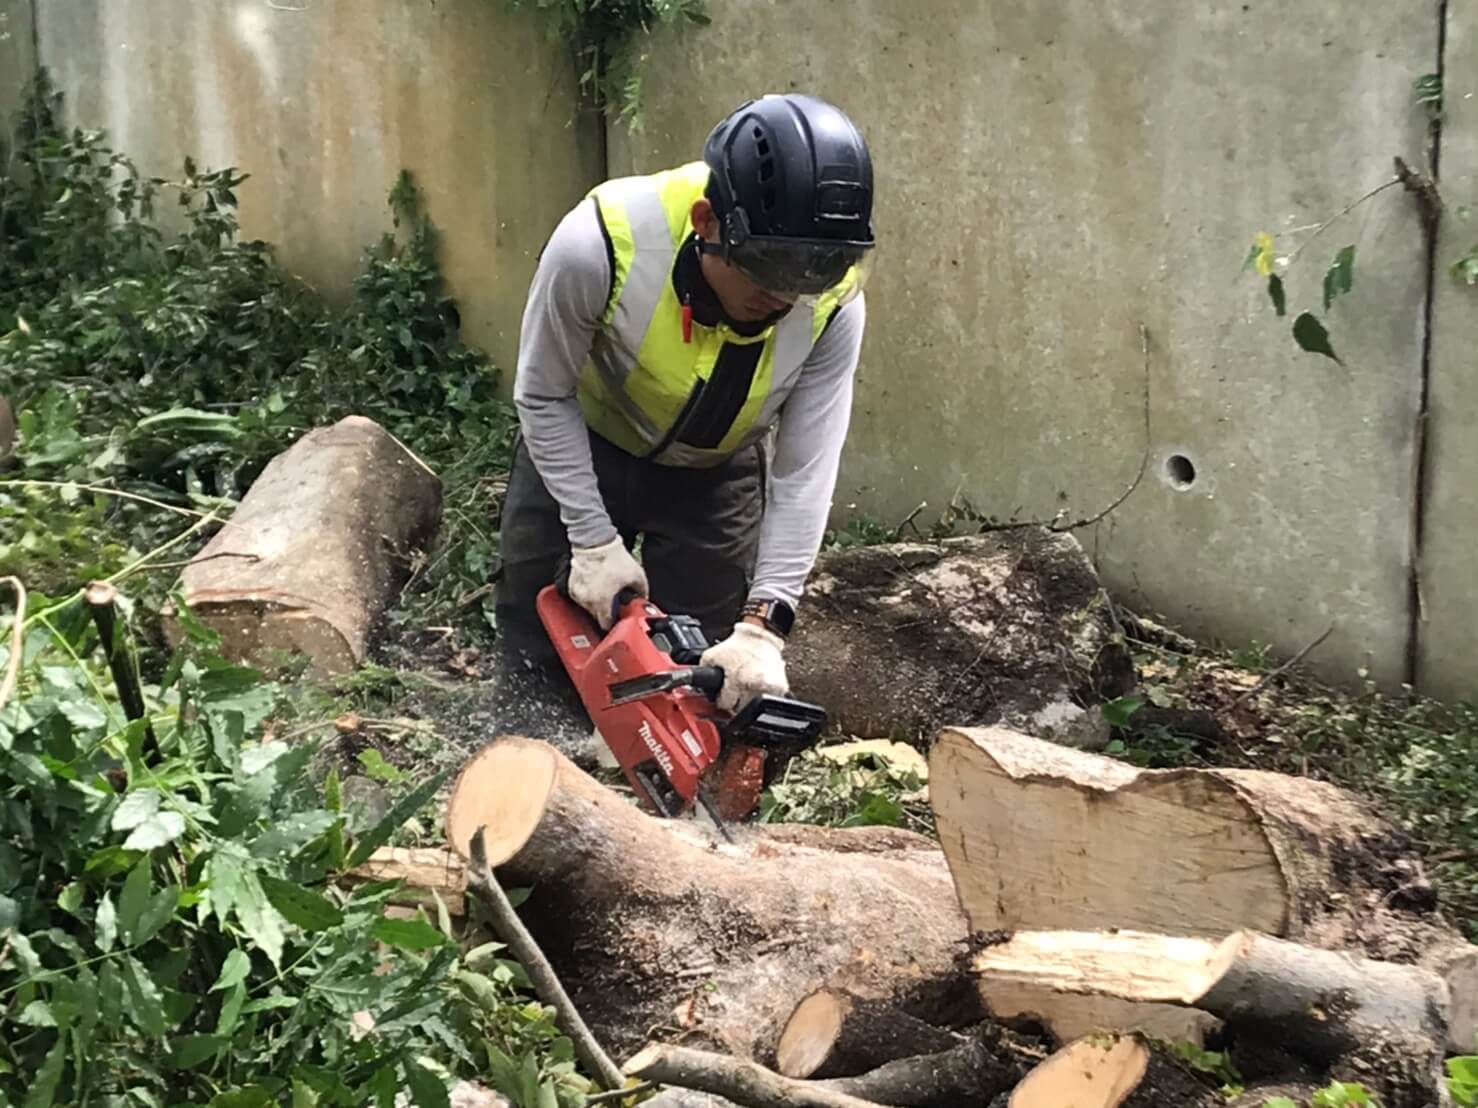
675	320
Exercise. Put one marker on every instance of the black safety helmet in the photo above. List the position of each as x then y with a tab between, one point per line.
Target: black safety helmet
791	184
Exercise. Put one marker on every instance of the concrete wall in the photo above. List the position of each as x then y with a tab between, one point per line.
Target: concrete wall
1448	632
1051	175
324	101
17	56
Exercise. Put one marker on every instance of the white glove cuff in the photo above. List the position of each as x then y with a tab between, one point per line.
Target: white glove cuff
759	635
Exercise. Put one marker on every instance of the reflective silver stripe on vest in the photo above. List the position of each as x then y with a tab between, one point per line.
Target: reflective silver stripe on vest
650	268
792	347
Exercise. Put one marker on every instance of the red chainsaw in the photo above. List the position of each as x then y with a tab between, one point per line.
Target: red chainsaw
651	699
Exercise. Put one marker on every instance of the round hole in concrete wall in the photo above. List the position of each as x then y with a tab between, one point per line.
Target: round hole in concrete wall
1180	472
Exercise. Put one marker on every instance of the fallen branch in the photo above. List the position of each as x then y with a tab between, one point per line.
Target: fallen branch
1329	1007
832	1033
657	922
970	1073
425	874
1268	678
546	983
17	639
746	1083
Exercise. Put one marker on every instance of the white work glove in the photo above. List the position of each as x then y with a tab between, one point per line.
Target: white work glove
599	573
752	665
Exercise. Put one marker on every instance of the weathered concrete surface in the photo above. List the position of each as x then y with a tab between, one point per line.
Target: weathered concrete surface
325	101
1053	174
17	57
1448	633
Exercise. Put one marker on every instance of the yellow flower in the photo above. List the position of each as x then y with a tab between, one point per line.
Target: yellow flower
1263	244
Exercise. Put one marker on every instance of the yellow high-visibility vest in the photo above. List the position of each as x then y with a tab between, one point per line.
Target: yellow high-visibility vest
642	386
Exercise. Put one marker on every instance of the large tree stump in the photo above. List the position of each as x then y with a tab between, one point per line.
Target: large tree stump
1043	837
317	549
1012	628
657	925
1379	1022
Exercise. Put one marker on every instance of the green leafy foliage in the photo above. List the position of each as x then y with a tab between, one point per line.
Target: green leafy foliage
170	930
174	366
1462	1080
608	38
864	788
1465	269
1342	1094
1340	278
1311	335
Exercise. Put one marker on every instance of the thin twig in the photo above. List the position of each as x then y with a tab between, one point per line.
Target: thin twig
1055	524
1284	668
1338	216
908	521
546	982
206	558
17	639
620	1094
102	491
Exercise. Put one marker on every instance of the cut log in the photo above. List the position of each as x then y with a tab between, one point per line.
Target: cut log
982	1066
316	551
424	872
1112	1072
743	1082
1011	628
1042	837
834	1034
660	924
1333	1008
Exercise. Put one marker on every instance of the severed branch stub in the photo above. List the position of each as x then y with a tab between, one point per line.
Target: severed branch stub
746	1083
101	598
546	982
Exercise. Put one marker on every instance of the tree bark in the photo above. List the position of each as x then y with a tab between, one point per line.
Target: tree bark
901	639
985	1064
743	1082
1341	1012
1039	836
660	926
834	1034
317	549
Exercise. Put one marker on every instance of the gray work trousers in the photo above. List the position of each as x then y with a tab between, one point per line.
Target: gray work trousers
699	532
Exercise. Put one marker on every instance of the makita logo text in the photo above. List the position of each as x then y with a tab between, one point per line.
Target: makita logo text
663	758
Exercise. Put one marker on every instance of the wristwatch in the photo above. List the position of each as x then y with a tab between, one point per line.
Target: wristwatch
776	615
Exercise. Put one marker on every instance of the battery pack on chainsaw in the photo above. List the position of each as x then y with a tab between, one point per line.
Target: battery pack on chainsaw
653	703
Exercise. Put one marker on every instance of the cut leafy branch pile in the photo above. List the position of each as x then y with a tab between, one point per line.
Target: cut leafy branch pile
172	932
154	376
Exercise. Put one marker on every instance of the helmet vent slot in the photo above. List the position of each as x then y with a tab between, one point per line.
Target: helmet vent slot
767	169
768	200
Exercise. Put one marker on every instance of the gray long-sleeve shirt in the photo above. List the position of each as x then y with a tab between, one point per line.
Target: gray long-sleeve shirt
566	300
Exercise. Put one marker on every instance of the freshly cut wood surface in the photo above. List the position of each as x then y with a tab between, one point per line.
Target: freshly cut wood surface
1043	837
424	871
1328	1006
832	1033
1107	1071
1085	1074
317	549
661	923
